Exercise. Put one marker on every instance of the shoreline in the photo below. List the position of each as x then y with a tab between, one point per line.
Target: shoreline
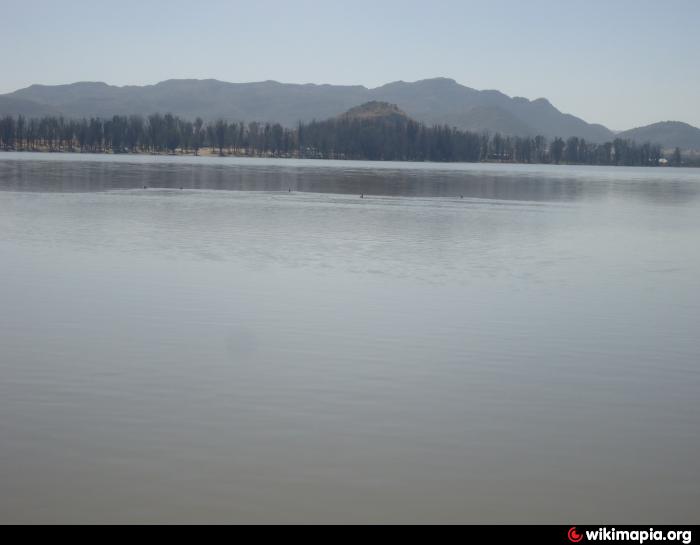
209	153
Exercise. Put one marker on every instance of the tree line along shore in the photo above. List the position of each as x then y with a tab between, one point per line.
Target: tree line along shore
376	138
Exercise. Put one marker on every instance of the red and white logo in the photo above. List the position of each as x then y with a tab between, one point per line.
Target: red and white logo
574	536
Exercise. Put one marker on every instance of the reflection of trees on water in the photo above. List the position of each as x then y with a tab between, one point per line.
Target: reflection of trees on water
539	185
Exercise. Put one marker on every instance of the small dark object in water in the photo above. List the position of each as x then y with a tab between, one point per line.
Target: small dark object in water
362	196
461	196
145	187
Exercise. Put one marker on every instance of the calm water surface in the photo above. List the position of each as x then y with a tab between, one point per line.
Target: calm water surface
526	353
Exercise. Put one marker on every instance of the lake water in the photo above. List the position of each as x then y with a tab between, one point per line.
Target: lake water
234	352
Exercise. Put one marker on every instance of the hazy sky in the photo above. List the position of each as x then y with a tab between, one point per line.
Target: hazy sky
623	63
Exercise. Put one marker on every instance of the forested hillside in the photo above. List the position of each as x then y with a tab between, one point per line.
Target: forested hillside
374	131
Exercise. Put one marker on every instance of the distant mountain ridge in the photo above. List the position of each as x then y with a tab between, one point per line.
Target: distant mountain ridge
432	101
10	105
670	134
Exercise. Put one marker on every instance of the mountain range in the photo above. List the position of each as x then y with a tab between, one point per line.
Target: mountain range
433	101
